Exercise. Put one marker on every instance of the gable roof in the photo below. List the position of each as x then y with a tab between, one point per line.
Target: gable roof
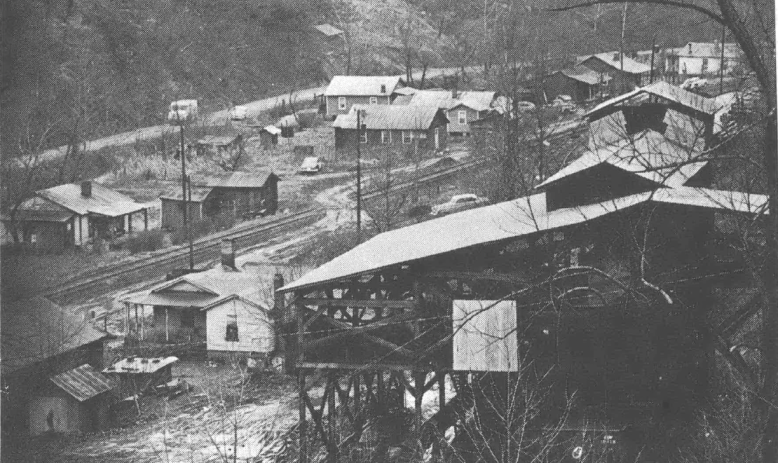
648	154
501	222
362	85
584	75
630	66
476	100
82	383
199	194
328	29
102	201
665	91
36	329
390	117
251	301
233	179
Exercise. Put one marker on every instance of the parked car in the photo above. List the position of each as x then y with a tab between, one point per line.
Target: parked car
459	203
182	111
525	105
310	165
239	113
564	102
694	83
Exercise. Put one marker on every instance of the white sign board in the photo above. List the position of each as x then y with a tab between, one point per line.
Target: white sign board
485	336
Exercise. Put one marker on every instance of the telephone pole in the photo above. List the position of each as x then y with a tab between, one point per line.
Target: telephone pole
359	177
184	191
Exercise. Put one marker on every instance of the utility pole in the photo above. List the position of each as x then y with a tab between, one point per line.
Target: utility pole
721	64
653	50
359	177
184	191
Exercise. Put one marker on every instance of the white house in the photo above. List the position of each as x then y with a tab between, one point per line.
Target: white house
702	58
237	325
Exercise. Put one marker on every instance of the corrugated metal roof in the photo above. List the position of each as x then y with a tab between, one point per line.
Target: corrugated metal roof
199	194
271	129
83	382
665	91
390	117
648	154
36	329
476	100
328	29
362	85
140	365
233	179
405	91
585	75
630	66
503	221
100	201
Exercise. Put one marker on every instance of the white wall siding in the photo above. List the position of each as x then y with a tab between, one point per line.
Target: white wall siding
255	329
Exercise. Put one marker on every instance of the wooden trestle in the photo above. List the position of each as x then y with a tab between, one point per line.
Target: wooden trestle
370	345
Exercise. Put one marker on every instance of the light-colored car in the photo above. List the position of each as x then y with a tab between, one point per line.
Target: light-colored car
694	83
459	203
564	102
525	105
182	111
310	165
239	113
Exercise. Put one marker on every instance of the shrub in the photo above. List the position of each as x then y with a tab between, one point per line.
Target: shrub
145	241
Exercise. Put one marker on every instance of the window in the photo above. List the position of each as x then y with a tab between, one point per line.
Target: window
386	136
363	136
704	66
407	136
231	332
342	103
462	116
373	100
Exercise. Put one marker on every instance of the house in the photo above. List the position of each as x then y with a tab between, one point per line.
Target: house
345	91
580	83
392	125
218	144
51	363
222	308
74	214
702	58
268	136
237	194
625	73
461	108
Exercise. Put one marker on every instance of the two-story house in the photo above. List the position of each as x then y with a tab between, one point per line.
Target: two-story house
343	92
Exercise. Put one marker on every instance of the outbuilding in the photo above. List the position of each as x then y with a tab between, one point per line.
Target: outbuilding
392	125
625	73
580	82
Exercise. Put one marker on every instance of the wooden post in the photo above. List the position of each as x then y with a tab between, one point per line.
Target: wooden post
418	384
143	323
441	389
129	223
145	219
167	331
137	323
331	420
380	386
301	382
127	306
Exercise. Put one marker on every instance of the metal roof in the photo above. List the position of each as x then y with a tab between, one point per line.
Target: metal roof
271	129
82	383
362	85
173	299
648	154
708	50
585	75
233	179
140	365
328	29
501	222
630	66
665	91
40	216
101	201
36	329
390	117
476	100
199	194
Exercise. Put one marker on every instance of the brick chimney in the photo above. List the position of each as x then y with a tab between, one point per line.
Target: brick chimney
228	253
86	188
454	92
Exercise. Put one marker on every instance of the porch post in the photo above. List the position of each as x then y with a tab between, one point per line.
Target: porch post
129	223
145	219
167	332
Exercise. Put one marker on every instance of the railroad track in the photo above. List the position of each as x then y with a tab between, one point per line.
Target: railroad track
158	264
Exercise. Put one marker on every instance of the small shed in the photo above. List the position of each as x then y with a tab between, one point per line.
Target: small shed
328	30
219	144
625	72
268	136
137	374
580	82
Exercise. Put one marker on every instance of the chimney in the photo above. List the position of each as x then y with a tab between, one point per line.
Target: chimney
690	48
228	253
383	88
86	188
454	92
616	57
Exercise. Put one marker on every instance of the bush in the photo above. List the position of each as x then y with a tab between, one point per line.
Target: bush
145	241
